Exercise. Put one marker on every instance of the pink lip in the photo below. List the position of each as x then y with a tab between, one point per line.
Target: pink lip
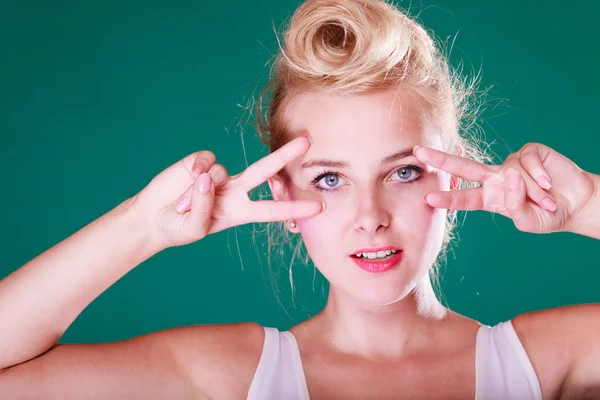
376	249
378	266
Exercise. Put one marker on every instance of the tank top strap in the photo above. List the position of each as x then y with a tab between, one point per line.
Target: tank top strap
503	370
279	374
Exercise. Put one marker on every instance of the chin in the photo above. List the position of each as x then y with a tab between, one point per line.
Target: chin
385	298
380	294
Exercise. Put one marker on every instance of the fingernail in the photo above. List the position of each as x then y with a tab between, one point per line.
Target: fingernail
549	204
322	206
203	183
183	204
514	180
545	182
415	150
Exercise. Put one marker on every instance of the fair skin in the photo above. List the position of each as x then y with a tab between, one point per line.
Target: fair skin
386	334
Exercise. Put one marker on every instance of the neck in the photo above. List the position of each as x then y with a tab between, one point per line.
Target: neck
375	331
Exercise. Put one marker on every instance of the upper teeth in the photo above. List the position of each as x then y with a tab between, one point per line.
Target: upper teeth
379	254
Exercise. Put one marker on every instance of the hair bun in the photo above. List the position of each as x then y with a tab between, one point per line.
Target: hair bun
350	42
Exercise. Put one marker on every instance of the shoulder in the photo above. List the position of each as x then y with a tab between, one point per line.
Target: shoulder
205	361
220	360
557	339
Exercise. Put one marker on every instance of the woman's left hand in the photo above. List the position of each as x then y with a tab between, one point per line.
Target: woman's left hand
538	188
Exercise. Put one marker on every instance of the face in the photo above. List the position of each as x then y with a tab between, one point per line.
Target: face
360	164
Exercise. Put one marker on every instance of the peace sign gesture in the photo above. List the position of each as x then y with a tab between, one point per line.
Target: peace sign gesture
538	188
196	197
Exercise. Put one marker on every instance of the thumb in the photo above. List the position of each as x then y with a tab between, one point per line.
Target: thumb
203	197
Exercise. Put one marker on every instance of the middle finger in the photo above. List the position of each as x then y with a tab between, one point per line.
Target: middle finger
458	166
269	165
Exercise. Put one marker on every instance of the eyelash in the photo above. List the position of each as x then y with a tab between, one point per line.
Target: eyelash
318	178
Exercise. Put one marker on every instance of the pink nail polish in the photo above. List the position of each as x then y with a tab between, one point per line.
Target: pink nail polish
203	183
183	205
549	204
545	182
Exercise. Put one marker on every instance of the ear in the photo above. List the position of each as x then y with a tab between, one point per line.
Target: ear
280	192
278	188
455	182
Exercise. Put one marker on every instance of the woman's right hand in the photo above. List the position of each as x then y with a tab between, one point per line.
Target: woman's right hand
177	212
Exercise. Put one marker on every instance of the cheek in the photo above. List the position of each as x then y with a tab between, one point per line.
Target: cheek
311	229
418	221
319	230
432	220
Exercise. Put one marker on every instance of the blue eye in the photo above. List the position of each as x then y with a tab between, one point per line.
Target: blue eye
328	180
405	173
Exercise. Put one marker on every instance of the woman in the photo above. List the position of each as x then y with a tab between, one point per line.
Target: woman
368	165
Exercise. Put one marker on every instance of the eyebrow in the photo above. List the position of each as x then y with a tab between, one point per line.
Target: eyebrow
343	164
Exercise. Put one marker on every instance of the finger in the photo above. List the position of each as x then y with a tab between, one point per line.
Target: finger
219	177
202	162
219	174
465	199
270	211
268	166
515	201
203	196
459	166
537	194
530	158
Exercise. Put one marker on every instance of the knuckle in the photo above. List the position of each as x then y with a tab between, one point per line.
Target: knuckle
203	161
529	147
218	172
206	154
513	156
205	157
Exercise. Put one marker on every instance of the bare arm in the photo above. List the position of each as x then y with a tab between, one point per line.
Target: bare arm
196	362
564	347
41	299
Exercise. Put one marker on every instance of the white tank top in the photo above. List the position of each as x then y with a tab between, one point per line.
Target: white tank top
502	369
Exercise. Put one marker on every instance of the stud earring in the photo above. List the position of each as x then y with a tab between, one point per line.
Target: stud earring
292	224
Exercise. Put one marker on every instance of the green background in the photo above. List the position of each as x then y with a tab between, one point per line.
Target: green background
98	97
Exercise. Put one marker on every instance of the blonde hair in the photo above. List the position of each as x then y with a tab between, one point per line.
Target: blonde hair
350	46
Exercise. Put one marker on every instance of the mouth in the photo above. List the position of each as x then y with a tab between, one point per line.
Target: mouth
377	259
376	254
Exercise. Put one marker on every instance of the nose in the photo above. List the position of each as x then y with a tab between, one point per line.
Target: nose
371	215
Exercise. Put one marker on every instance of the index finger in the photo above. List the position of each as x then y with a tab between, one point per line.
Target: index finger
459	166
269	165
271	211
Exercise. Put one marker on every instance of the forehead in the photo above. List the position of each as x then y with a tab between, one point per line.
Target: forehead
354	122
